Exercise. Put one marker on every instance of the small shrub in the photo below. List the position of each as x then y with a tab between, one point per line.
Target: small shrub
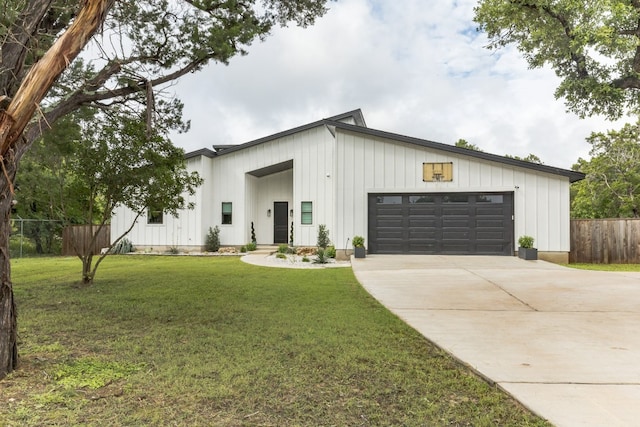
253	234
291	234
243	249
305	259
321	257
173	250
330	252
358	241
323	236
283	248
251	246
281	255
525	242
212	241
124	246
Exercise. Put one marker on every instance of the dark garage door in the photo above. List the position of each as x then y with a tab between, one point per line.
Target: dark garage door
451	224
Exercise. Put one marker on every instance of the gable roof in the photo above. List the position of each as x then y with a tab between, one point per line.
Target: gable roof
572	175
338	122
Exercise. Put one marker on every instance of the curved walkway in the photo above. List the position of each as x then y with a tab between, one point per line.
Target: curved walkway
564	342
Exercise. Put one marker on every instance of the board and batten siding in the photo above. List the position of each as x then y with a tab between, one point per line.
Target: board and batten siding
185	230
312	152
367	164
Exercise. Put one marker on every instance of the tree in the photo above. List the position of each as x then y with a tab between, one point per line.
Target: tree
531	158
111	160
463	143
591	45
143	46
611	188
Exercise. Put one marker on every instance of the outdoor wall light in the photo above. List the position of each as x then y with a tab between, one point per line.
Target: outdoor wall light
269	212
291	213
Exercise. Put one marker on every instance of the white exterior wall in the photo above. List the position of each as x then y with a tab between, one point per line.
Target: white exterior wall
371	165
312	152
185	230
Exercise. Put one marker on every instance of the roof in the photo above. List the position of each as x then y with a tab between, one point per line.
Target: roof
337	122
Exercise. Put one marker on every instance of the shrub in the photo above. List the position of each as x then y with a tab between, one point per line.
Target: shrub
124	246
358	241
251	246
323	236
331	252
173	250
283	248
212	242
305	259
243	249
253	234
525	242
321	257
281	255
291	234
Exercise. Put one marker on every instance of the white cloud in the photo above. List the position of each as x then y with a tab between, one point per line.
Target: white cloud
416	69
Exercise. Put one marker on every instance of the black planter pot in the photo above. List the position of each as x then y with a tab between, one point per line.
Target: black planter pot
359	252
528	253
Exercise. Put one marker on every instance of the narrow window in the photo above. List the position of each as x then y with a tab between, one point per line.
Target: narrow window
227	211
154	216
306	213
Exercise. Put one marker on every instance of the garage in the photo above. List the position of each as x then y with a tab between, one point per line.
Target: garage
441	223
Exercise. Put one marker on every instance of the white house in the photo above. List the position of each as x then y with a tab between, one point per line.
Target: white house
403	194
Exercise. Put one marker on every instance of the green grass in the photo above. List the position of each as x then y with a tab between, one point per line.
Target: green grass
212	341
606	267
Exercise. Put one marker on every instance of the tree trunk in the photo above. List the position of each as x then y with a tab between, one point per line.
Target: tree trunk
8	314
87	272
13	121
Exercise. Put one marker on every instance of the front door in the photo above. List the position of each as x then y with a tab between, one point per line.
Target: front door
280	222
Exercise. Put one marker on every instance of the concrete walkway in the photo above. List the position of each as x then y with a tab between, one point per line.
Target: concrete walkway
564	342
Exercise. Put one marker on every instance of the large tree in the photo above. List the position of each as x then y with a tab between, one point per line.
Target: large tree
593	46
143	45
612	186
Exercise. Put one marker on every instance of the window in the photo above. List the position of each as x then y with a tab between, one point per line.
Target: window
154	216
389	200
227	210
306	213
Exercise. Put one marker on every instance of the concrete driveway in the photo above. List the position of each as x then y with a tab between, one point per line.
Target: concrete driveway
564	342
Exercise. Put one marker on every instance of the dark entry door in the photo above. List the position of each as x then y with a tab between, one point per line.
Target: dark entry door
280	222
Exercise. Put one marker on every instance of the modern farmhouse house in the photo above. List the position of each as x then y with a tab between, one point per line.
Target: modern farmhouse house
404	195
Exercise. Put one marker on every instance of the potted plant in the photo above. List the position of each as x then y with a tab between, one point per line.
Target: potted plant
526	249
358	246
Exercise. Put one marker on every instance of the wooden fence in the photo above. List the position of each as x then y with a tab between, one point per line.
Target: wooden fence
79	236
605	241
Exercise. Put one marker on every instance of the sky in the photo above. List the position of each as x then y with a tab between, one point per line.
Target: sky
414	67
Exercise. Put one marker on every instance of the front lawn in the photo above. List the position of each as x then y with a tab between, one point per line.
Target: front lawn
186	341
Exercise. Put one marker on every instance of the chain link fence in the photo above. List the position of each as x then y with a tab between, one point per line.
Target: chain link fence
35	237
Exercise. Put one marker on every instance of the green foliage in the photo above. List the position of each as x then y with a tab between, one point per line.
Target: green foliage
330	252
358	241
525	242
531	158
591	46
463	143
212	240
253	234
305	259
611	188
291	234
285	249
251	246
281	255
321	257
323	236
124	246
